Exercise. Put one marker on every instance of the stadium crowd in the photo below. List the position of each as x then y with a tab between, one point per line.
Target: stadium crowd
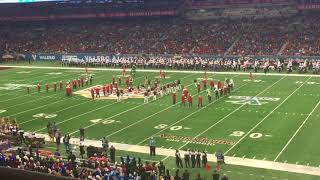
99	166
297	35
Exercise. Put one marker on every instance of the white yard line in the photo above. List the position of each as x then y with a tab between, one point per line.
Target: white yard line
211	157
79	116
35	108
182	71
27	82
265	117
222	119
297	131
56	111
52	96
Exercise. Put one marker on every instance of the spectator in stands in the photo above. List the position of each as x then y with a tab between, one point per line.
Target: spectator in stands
215	175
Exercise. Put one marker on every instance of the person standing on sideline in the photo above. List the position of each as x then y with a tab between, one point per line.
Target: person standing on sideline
178	159
82	151
198	159
204	159
193	159
187	159
105	144
152	145
58	139
81	133
220	159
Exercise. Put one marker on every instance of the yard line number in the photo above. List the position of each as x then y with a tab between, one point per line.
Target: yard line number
173	128
241	133
310	83
103	121
45	115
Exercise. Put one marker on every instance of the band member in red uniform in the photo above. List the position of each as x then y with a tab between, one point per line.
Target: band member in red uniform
55	86
79	82
113	80
119	80
61	85
127	82
199	101
190	100
211	84
92	93
39	88
104	90
123	70
219	84
204	82
185	92
82	81
111	88
198	87
47	87
250	76
163	74
68	90
107	89
174	97
183	100
97	92
74	84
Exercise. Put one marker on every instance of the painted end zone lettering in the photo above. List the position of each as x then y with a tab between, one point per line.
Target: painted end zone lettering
187	139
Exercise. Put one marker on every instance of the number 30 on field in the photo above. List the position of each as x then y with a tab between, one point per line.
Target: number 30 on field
241	133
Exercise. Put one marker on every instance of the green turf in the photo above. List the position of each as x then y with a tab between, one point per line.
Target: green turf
276	121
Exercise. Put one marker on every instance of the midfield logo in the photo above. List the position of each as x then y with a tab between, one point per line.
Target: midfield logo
251	100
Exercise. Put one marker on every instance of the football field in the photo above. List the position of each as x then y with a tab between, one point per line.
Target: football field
271	118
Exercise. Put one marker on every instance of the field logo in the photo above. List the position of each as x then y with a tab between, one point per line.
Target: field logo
251	100
11	86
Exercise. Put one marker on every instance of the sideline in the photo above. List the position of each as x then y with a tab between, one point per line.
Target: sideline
152	70
271	165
